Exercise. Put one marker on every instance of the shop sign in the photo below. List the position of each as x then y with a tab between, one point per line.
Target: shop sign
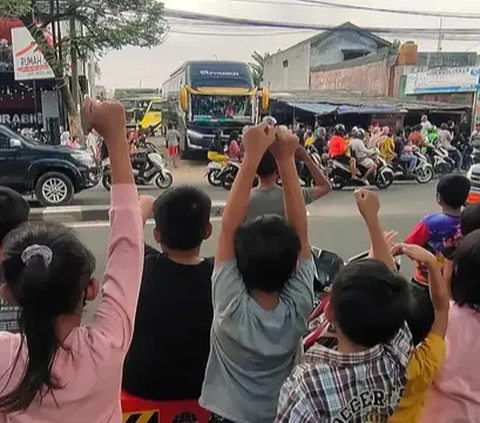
444	80
20	118
28	60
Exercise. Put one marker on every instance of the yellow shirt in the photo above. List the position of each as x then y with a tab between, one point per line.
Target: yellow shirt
309	141
426	361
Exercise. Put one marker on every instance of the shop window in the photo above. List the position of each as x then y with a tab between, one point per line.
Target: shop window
285	63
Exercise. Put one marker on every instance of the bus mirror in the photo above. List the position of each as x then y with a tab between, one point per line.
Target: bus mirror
183	98
265	98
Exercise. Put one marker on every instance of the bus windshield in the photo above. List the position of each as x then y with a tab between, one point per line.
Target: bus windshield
221	108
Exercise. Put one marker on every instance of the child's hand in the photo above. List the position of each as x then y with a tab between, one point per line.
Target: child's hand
257	140
108	119
416	253
368	204
285	145
146	207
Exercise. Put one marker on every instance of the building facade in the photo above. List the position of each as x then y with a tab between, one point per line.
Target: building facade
290	69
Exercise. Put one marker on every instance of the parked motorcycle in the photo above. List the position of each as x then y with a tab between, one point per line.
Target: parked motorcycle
340	176
423	172
155	169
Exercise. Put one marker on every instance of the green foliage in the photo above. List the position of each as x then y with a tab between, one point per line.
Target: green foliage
394	46
105	25
258	66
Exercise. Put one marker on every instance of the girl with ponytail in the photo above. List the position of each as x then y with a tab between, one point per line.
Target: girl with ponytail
54	369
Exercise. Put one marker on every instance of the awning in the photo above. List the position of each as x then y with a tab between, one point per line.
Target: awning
368	109
315	108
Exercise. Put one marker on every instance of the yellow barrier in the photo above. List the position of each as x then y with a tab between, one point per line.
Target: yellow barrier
152	416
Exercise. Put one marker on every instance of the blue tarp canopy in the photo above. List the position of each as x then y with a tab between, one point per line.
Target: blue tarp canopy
316	108
367	109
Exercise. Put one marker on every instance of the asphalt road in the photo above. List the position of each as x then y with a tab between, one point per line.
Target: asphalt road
334	223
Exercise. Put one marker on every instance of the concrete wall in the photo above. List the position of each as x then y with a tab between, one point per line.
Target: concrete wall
328	50
293	76
369	76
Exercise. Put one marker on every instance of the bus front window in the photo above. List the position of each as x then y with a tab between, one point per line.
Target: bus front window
221	108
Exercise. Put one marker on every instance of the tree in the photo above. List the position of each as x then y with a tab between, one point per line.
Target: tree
105	25
258	66
394	46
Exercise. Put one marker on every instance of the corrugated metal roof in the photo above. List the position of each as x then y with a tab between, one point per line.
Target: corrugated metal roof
316	108
353	98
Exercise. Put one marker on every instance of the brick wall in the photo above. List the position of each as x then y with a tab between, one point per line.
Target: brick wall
370	78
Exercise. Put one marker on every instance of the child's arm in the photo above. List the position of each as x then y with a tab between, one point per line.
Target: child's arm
419	235
322	184
369	206
256	140
439	291
284	150
146	207
114	319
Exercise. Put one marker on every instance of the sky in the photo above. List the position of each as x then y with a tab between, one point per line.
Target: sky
148	68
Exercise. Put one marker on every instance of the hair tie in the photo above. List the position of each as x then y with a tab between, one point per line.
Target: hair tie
37	250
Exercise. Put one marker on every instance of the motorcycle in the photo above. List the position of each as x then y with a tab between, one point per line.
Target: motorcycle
213	173
229	173
423	172
304	175
155	169
327	266
441	161
340	176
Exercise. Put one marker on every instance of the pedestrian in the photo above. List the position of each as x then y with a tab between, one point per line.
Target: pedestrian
173	141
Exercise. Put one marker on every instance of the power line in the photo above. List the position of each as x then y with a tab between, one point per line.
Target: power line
193	16
321	3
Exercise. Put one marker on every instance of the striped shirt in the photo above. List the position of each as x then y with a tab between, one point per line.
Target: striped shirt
330	386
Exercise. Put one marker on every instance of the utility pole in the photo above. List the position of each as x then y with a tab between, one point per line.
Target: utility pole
74	62
440	36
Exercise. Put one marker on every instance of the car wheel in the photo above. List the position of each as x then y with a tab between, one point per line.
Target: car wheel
54	189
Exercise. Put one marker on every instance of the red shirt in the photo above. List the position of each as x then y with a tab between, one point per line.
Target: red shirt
337	146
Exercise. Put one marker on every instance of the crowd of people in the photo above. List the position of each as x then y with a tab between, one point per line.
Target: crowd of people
173	325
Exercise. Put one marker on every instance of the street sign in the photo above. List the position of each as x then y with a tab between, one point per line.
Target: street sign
29	62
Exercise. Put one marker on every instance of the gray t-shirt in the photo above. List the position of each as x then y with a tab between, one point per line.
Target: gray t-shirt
172	137
253	350
270	201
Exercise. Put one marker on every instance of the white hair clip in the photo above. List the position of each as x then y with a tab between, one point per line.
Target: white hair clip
37	250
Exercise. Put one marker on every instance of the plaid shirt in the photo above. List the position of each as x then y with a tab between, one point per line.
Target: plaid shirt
333	387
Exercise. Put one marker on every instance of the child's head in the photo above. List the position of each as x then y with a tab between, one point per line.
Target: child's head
452	191
48	273
182	219
466	272
470	219
369	303
14	211
268	166
267	251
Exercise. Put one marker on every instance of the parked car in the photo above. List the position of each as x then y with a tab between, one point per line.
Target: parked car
54	174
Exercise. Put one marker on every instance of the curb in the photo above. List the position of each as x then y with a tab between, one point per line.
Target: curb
71	214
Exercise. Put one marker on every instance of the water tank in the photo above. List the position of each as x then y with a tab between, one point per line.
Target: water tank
408	54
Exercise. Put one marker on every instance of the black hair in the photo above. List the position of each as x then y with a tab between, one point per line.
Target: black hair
233	137
400	132
14	211
267	166
421	313
453	190
267	251
44	288
370	302
444	126
170	125
470	219
466	272
417	128
182	216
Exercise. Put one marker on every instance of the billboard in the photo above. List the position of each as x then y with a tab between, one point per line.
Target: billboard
443	80
28	60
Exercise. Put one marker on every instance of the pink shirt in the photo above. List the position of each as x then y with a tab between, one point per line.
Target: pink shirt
455	394
91	376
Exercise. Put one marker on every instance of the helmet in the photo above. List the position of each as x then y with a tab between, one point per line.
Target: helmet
339	129
361	134
355	132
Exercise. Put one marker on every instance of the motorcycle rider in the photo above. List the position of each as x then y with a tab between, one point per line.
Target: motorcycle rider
404	151
445	138
337	149
362	154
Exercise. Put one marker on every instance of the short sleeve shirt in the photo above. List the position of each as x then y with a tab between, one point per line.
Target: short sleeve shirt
253	350
270	201
426	361
172	137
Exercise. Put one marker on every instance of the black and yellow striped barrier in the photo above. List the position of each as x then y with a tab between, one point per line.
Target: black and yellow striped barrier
152	416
